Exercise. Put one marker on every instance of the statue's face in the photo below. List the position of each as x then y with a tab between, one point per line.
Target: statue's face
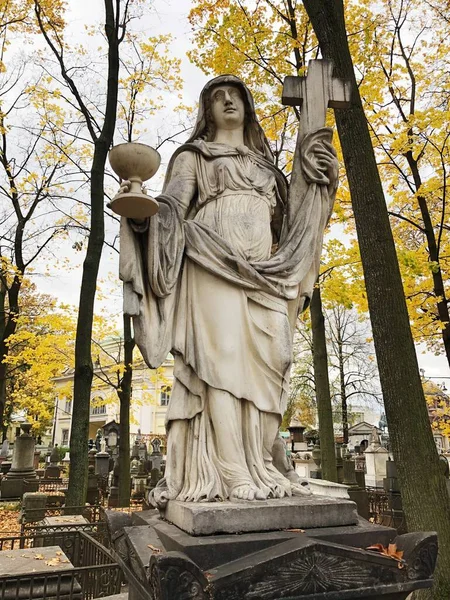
227	107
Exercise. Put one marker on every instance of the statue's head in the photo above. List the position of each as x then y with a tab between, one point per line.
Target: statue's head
205	127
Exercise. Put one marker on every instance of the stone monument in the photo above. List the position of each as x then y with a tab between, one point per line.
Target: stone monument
53	470
218	276
4	453
22	475
376	457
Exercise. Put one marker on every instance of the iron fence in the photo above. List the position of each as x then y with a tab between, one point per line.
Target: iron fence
94	573
92	512
53	485
385	508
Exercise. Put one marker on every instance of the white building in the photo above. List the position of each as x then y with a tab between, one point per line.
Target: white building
150	398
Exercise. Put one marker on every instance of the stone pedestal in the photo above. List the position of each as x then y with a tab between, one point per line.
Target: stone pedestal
93	487
299	512
52	472
102	464
376	466
22	475
161	561
304	465
36	458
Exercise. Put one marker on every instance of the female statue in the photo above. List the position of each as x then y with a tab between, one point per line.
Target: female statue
217	277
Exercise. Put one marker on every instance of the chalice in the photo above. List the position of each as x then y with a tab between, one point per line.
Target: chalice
135	163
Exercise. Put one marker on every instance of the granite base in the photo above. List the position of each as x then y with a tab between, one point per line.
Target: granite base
162	562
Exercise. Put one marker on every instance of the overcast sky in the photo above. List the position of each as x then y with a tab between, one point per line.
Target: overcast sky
170	16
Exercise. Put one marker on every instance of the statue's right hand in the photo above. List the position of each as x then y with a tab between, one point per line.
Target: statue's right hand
124	186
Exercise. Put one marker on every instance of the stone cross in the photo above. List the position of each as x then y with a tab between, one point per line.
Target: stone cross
314	93
156	446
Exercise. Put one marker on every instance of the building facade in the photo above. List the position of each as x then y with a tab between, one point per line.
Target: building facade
150	398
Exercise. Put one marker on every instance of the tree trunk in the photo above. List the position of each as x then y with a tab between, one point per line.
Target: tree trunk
8	324
125	401
442	304
344	407
425	498
322	384
76	495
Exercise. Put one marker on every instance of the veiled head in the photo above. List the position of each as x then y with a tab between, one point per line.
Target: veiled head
205	126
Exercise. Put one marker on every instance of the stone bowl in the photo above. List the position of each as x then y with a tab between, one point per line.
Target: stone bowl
134	160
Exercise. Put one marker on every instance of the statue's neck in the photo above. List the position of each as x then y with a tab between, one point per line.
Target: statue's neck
232	137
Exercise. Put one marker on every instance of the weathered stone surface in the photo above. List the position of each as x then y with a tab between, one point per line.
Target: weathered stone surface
68	520
165	563
36	503
300	512
231	328
21	477
330	489
209	551
17	562
145	517
27	564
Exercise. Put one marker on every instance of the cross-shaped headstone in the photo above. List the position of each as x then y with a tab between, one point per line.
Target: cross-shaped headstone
314	93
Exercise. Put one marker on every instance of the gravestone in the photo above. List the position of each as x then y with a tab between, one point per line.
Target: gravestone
4	453
135	450
98	440
156	456
33	507
376	457
143	454
91	456
134	466
113	498
92	496
102	462
24	567
356	493
53	470
22	475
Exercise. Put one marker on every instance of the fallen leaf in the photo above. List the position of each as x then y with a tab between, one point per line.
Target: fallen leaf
52	562
154	548
390	551
39	557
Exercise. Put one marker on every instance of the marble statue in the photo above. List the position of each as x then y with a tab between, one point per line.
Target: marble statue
217	277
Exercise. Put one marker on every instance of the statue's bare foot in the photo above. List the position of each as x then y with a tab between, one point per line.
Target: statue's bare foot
278	491
300	490
160	495
247	492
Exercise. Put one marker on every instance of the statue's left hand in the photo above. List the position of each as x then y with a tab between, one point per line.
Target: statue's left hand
327	161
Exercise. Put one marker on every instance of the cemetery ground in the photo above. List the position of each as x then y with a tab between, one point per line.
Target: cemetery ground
49	551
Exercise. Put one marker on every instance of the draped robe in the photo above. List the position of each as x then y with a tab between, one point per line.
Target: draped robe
201	281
